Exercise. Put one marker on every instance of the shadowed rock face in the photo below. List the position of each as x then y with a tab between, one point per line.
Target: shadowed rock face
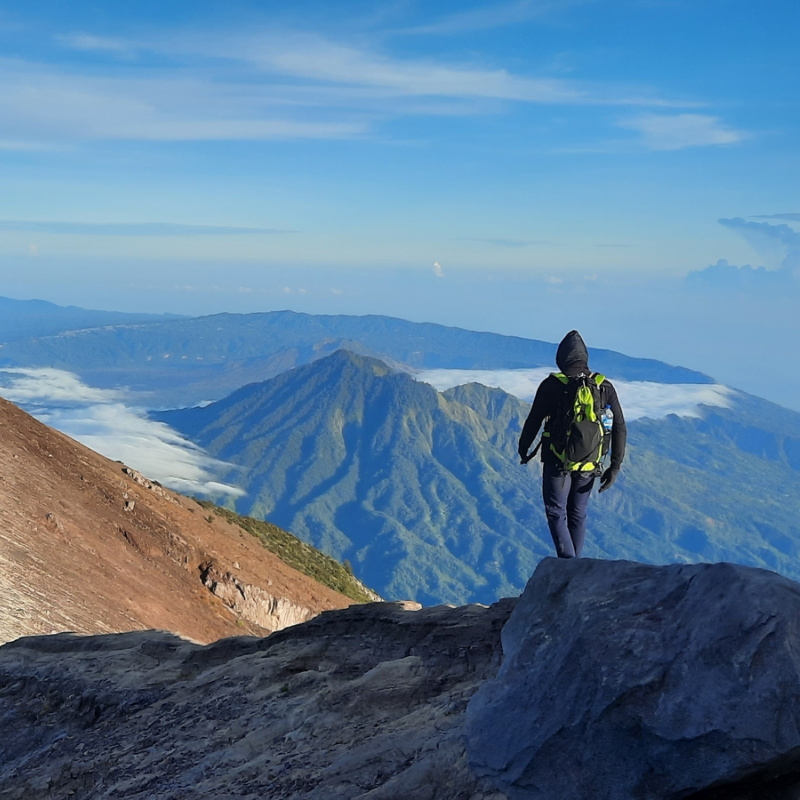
367	702
632	682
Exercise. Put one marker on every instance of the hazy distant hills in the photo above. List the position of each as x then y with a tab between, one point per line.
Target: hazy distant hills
188	361
423	493
22	319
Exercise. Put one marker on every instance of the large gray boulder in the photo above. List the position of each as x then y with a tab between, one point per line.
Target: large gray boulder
623	681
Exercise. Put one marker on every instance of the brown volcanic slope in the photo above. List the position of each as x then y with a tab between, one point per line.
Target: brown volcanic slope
87	545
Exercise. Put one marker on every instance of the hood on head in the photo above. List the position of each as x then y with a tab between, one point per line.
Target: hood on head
572	357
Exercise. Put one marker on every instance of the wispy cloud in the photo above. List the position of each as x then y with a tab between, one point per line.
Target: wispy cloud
41	104
680	131
790	217
28	147
638	398
89	42
495	16
504	242
317	58
270	85
131	229
102	420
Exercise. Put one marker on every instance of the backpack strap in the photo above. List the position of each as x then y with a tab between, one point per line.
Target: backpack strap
595	376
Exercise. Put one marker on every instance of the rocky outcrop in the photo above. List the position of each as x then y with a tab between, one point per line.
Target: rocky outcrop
253	603
614	681
364	703
623	681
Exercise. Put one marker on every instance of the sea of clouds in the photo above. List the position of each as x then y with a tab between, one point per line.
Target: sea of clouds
638	398
115	422
111	423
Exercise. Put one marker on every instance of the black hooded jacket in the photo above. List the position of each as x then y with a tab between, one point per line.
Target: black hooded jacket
572	359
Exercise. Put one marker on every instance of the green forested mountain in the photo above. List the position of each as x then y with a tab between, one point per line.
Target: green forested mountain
423	492
418	491
188	361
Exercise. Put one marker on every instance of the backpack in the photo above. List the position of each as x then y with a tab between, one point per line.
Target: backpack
577	437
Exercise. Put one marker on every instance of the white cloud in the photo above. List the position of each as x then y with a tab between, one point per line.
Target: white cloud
88	42
638	398
29	147
317	58
679	131
54	387
774	241
495	16
101	420
132	228
40	104
271	84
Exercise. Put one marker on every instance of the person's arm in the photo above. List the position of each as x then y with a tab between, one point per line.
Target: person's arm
540	409
619	438
619	433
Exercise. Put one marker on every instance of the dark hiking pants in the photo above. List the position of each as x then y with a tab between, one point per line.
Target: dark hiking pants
566	496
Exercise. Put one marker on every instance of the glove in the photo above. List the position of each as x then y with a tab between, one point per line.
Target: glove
525	456
608	478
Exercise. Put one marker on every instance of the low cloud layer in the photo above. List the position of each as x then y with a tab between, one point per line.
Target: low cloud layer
102	420
638	398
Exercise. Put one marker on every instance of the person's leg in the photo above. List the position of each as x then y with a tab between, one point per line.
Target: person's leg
555	493
577	502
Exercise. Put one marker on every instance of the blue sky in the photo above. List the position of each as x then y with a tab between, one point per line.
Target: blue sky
522	166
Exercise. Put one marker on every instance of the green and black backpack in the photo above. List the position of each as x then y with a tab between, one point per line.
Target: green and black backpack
575	433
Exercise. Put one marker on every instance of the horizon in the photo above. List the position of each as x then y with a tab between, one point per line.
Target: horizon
729	374
628	169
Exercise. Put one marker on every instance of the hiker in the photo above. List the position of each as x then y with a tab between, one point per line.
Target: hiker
567	484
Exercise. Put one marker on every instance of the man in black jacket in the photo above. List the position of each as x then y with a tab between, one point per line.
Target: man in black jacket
566	494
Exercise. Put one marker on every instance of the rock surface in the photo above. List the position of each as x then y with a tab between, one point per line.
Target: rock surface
368	702
622	681
619	681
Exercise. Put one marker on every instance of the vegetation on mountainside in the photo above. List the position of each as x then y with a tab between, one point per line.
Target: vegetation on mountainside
299	555
421	493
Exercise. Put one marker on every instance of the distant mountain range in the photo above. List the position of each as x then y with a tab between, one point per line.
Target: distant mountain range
22	319
423	492
181	362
